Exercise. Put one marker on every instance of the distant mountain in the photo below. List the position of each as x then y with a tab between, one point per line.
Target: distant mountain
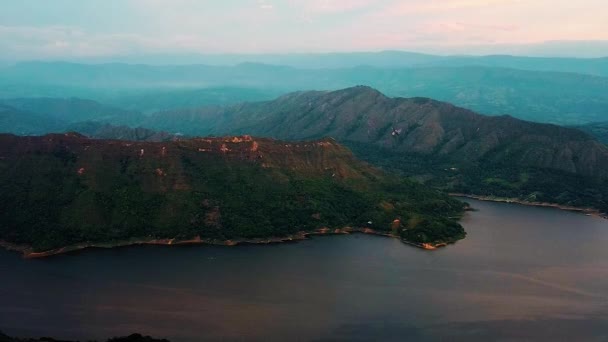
66	190
37	116
70	110
60	111
189	121
590	66
99	130
548	97
158	100
13	120
441	144
554	97
138	76
22	122
596	129
400	59
338	60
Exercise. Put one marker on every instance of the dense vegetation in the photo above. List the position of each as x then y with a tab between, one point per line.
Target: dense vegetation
488	178
61	190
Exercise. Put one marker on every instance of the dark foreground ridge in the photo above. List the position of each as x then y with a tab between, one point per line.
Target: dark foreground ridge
130	338
62	192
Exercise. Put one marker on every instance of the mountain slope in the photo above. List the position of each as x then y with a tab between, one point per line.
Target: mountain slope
597	129
72	110
64	189
447	146
22	122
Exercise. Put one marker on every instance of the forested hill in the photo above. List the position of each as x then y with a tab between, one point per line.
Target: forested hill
64	189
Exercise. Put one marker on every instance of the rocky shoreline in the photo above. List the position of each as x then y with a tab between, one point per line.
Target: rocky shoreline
28	252
587	211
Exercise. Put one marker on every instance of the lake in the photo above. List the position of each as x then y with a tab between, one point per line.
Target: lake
522	273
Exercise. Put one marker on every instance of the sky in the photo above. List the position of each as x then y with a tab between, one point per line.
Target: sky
56	29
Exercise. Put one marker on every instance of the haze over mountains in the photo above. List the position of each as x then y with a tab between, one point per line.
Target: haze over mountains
444	144
435	142
71	110
382	59
26	123
28	116
486	87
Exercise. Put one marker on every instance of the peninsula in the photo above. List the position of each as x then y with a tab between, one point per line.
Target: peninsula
62	192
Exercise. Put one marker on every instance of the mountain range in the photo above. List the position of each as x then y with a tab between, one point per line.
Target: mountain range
21	122
35	116
71	110
389	59
435	142
542	96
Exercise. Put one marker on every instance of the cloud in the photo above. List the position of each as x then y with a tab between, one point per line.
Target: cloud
262	4
258	26
420	7
331	6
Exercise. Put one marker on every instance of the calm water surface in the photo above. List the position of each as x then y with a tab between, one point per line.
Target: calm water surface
522	273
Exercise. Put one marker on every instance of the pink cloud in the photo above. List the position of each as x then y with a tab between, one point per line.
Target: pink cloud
403	8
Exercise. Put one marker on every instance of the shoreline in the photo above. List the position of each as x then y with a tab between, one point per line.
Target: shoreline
28	253
587	211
